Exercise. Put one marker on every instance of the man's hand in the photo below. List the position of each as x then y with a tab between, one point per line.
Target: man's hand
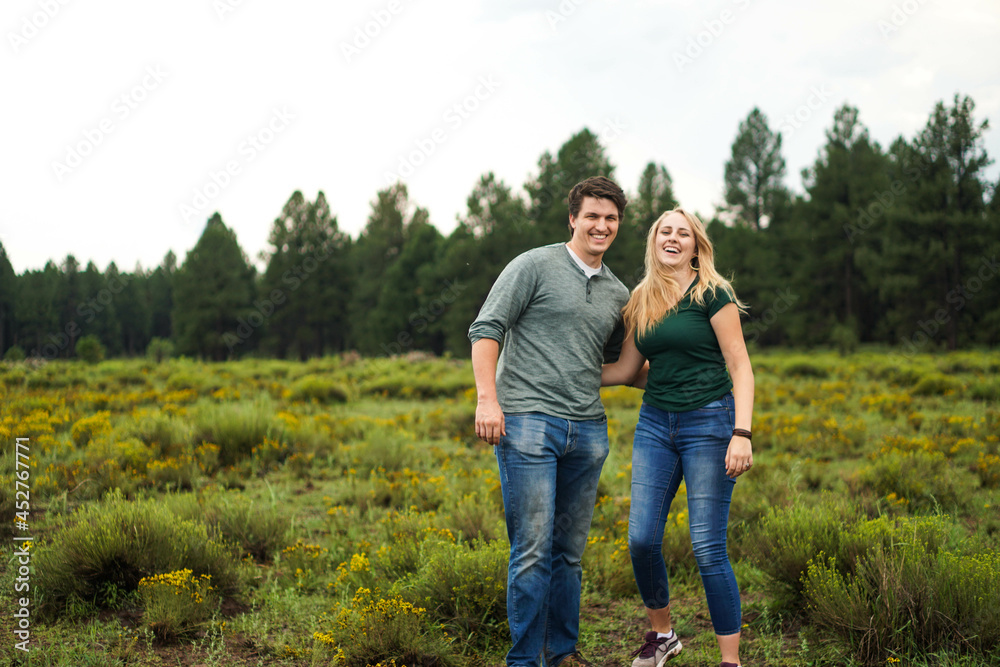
489	421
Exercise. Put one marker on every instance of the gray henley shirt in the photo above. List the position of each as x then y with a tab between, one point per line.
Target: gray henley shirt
556	327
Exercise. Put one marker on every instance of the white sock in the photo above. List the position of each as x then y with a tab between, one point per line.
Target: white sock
660	635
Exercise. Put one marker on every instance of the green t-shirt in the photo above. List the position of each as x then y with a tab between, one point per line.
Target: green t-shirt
686	366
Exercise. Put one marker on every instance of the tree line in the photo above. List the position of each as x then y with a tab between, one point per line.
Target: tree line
892	245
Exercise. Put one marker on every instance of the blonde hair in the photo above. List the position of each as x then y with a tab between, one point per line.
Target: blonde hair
659	293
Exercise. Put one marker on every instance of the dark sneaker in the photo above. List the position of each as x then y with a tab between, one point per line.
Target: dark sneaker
574	659
656	650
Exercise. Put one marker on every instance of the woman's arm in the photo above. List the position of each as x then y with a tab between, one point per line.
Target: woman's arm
729	333
625	370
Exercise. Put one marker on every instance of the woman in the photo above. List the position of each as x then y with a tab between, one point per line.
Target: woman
694	423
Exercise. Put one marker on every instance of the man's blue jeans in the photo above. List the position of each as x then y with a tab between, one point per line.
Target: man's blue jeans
549	469
692	445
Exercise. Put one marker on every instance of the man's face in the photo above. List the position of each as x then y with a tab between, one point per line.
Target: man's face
594	227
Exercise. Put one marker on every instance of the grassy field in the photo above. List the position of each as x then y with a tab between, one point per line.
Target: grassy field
342	512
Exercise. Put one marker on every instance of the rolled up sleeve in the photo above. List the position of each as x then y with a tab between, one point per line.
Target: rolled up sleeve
507	299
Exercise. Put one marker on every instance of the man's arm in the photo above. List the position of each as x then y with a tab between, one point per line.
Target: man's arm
504	305
489	416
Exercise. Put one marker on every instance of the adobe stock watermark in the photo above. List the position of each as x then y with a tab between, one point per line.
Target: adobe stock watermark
886	199
957	298
900	16
704	39
32	24
454	117
757	326
870	214
122	106
218	180
87	310
804	112
225	7
365	34
562	13
420	319
265	307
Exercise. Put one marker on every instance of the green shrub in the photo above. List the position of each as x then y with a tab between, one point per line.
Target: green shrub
785	541
170	435
110	546
14	353
307	564
925	479
607	566
159	349
936	384
89	349
88	428
896	372
985	390
844	338
463	586
14	377
50	376
257	529
385	448
236	427
176	603
806	369
187	380
131	378
403	534
177	473
377	630
319	389
908	598
420	380
773	481
474	517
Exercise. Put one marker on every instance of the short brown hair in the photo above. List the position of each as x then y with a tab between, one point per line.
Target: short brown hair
599	187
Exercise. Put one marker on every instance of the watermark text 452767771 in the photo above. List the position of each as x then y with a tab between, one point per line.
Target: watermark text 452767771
22	580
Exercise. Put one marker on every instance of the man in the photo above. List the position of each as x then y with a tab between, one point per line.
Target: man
557	310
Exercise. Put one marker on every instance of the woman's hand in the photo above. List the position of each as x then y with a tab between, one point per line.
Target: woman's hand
739	456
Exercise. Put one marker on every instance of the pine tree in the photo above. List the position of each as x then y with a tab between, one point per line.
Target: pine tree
376	250
655	196
831	227
307	280
494	230
213	296
755	171
578	159
8	287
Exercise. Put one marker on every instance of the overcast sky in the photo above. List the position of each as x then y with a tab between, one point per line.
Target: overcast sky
126	124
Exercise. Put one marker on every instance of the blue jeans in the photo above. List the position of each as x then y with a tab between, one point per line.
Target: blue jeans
549	469
692	445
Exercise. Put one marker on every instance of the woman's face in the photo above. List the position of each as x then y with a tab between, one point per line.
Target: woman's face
675	243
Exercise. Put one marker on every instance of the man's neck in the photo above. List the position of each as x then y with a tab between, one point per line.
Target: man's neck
593	261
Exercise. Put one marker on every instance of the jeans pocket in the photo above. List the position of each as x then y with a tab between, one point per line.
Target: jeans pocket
718	404
523	430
